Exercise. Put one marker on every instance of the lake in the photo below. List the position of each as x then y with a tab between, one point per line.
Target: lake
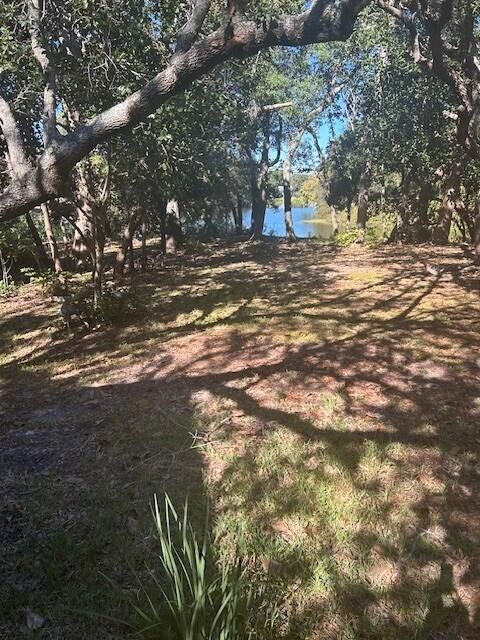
308	222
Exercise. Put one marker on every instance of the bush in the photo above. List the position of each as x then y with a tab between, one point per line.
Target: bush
50	282
346	238
116	305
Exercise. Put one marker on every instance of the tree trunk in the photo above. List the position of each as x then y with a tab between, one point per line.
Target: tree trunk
363	199
259	199
121	256
239	218
84	242
424	198
57	263
98	254
173	227
131	258
476	244
143	261
334	217
163	227
42	257
287	201
65	238
349	214
98	270
451	194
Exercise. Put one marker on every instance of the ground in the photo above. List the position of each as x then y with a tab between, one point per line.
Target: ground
326	403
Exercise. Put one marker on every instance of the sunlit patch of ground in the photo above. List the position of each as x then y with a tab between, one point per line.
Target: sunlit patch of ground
326	402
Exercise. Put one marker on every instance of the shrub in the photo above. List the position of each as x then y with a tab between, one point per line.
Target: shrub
117	304
50	282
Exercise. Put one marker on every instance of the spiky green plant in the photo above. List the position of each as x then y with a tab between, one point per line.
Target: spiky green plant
198	599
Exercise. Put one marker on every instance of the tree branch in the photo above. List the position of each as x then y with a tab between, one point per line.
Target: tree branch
327	20
278	141
35	11
18	161
189	32
404	16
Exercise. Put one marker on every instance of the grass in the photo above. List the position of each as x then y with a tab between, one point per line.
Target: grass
324	403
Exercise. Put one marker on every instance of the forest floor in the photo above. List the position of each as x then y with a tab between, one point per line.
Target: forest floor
325	402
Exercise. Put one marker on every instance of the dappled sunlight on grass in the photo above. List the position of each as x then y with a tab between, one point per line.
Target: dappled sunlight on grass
326	403
344	536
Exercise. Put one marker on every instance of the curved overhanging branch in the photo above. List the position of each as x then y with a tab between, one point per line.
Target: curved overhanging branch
326	20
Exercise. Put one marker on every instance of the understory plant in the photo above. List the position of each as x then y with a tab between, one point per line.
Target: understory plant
192	597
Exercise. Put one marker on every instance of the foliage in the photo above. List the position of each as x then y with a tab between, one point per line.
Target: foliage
118	305
193	599
50	282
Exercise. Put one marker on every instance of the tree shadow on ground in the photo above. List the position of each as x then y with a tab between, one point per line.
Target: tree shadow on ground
335	398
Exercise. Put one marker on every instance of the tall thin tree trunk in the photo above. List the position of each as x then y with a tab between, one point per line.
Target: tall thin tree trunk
163	227
349	214
131	257
424	198
476	244
84	245
259	198
363	199
98	272
42	256
451	194
287	200
52	242
239	218
173	226
334	217
121	256
65	239
98	255
143	261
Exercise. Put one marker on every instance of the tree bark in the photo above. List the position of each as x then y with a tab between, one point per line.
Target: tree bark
363	199
476	244
259	204
334	218
173	226
41	253
57	263
163	227
131	257
424	198
451	194
65	238
349	214
84	238
143	261
121	256
239	220
287	201
98	268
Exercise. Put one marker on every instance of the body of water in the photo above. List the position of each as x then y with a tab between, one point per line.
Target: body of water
308	222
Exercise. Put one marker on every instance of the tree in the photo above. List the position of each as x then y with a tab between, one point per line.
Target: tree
240	35
444	43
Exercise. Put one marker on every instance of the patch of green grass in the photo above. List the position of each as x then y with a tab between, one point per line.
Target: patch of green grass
330	527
